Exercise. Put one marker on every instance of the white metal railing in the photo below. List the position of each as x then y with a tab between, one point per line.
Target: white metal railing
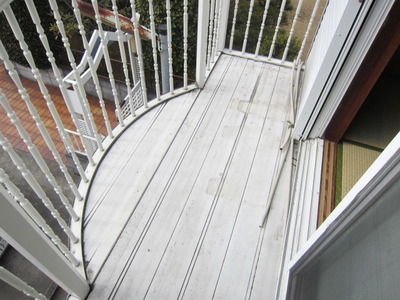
19	284
279	39
213	27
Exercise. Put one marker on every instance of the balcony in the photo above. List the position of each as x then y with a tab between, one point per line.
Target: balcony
199	152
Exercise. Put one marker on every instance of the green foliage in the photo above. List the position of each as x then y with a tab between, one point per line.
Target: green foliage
70	23
177	32
29	30
269	30
124	8
280	45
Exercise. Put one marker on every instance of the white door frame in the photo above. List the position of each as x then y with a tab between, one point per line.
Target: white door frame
378	178
359	50
330	67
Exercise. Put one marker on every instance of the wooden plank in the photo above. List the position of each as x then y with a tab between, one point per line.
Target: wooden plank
125	151
234	277
265	275
210	257
186	186
133	177
197	219
141	220
205	196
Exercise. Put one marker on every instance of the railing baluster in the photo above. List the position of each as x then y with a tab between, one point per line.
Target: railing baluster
87	113
139	52
310	23
217	24
123	56
210	35
267	2
154	46
185	44
246	34
107	60
39	123
296	17
169	36
278	23
28	55
18	162
36	217
19	284
215	30
36	154
92	67
235	10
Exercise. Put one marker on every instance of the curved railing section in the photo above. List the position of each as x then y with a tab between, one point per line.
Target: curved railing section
85	139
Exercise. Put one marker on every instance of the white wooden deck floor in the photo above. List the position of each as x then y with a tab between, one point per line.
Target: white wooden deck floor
175	208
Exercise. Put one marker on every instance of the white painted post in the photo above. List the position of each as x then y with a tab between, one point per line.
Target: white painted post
203	14
246	34
223	28
154	46
185	44
235	10
19	284
278	23
92	68
24	235
139	52
169	35
39	123
262	27
296	17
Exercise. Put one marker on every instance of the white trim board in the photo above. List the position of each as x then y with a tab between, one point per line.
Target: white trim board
378	178
317	92
334	96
